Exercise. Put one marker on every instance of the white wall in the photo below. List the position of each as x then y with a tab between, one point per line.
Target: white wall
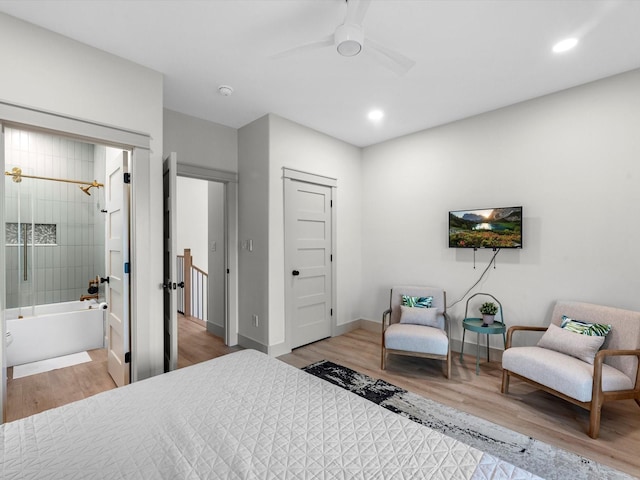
570	159
301	148
265	147
192	219
53	73
200	142
253	224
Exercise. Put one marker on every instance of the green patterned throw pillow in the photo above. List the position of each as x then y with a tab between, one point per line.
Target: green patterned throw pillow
417	302
585	328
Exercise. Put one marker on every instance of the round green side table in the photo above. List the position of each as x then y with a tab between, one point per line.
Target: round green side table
476	325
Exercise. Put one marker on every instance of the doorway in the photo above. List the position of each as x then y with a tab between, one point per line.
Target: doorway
65	228
200	270
201	247
87	132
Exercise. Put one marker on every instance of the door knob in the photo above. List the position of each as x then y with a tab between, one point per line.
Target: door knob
295	273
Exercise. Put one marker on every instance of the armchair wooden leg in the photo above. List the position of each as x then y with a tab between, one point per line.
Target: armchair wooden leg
594	420
505	382
449	365
383	361
596	406
637	401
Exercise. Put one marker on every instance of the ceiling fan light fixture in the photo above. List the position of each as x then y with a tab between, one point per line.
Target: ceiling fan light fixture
349	39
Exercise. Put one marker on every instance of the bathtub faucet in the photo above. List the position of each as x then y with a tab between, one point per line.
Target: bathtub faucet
93	286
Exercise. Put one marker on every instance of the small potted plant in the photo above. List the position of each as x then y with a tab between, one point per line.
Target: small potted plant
488	311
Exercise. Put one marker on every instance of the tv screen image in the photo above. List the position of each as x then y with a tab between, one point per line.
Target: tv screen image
486	228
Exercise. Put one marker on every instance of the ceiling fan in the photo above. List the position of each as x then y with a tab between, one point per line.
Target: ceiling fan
349	41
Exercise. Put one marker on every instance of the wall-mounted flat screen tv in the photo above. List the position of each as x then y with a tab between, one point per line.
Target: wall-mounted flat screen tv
486	228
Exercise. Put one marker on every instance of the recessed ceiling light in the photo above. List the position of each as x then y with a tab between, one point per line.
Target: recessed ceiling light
565	45
376	115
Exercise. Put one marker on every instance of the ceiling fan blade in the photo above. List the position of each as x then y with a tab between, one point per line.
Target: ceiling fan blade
390	58
356	10
325	42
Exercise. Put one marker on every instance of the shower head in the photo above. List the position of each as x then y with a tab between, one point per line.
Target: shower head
89	186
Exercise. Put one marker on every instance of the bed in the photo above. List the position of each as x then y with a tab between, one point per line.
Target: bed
241	416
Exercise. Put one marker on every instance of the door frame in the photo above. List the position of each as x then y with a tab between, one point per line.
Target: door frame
230	208
138	143
290	174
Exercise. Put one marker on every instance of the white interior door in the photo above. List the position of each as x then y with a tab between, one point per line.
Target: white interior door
308	240
170	276
117	253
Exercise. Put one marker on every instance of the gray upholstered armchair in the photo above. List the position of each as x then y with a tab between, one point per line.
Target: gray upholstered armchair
418	332
573	367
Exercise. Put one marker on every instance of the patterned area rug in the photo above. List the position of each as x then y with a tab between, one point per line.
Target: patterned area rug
537	457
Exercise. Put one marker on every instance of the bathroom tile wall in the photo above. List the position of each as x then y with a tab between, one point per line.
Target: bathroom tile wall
58	271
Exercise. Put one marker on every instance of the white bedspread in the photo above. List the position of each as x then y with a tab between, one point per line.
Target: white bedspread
241	416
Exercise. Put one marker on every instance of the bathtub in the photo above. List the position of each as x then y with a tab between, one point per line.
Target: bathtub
53	330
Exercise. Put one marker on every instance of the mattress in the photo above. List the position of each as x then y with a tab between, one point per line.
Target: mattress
241	416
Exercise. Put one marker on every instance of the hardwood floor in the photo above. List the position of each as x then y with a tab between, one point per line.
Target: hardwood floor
525	410
196	345
37	393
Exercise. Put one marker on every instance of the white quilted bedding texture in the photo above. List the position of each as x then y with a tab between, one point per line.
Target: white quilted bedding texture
241	416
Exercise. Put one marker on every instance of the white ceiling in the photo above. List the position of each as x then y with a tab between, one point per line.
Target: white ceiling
471	56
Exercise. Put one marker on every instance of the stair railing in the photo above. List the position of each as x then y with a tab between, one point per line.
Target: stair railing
194	283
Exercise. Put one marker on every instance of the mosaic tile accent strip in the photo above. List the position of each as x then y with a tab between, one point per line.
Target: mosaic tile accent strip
45	233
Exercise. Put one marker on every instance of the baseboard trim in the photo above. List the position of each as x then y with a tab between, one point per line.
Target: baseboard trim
356	324
346	328
471	349
246	342
278	349
371	325
272	350
216	330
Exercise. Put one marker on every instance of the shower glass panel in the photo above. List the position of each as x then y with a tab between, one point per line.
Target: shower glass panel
54	218
20	249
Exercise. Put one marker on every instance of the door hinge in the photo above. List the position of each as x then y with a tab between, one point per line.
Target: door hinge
227	271
127	357
127	177
331	203
332	312
126	267
331	257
